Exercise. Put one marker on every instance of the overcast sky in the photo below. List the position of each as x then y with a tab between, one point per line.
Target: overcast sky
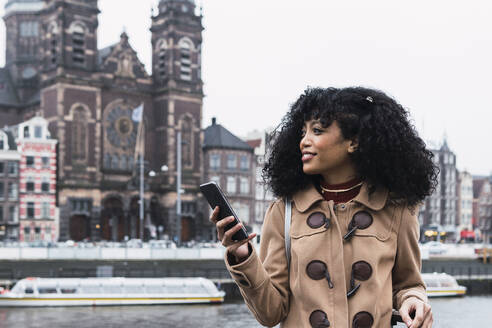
434	57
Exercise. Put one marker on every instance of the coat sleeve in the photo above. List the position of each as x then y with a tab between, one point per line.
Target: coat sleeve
407	281
264	279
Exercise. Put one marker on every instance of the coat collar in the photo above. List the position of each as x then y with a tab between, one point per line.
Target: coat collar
305	198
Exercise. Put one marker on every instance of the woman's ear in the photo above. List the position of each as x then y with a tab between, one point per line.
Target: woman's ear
354	144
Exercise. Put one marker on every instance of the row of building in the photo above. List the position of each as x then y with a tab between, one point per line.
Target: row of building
28	185
28	182
67	168
461	206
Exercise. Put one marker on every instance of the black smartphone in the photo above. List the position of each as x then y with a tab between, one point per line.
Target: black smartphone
216	197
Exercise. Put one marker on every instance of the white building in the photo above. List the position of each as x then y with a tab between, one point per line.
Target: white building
465	201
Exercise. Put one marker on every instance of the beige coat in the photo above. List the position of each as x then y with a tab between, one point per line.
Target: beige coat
299	298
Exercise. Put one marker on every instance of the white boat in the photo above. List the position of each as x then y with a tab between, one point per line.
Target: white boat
442	284
110	291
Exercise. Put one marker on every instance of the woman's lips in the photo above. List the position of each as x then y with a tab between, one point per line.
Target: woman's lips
307	156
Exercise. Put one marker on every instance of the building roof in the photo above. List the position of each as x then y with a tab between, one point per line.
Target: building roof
254	142
103	53
8	95
216	136
23	6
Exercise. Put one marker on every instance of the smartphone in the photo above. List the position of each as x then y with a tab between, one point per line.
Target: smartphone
216	197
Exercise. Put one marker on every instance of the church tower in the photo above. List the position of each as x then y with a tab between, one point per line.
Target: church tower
22	23
178	98
69	40
71	102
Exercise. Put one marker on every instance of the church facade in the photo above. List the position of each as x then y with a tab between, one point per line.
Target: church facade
54	69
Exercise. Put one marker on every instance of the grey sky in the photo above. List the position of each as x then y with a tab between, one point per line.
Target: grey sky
258	56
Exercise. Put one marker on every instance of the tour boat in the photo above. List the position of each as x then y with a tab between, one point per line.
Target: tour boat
110	291
442	284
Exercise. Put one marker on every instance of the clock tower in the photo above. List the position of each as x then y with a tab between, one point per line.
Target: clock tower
176	73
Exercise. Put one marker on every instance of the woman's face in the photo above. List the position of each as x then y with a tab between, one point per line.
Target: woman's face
325	151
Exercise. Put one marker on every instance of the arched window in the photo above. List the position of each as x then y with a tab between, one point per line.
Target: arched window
199	62
129	162
185	47
115	162
107	161
79	134
78	43
161	58
124	162
187	139
53	42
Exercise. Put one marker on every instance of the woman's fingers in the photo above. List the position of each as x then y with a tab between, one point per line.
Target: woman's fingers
215	214
404	312
419	315
221	225
227	240
428	321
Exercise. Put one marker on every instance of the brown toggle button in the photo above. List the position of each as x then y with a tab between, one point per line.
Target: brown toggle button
318	319
317	270
317	219
360	220
362	320
361	270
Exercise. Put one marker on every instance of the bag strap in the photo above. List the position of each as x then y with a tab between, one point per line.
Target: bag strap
287	219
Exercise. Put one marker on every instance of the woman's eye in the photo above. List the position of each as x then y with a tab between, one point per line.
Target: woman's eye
317	131
303	133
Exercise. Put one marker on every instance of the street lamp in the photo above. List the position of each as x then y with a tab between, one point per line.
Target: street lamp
179	191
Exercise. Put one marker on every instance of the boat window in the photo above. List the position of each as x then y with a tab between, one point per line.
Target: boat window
134	289
29	290
174	289
68	290
112	289
90	289
193	289
447	283
154	289
432	283
47	290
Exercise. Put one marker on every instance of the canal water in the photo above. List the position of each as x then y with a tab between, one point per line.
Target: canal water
470	311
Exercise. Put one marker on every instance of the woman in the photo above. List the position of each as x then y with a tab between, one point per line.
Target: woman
355	171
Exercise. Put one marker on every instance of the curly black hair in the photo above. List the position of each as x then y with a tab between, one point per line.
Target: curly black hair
389	152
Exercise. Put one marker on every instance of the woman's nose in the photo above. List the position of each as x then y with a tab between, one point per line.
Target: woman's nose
305	141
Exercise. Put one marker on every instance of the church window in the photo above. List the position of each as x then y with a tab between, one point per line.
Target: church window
130	163
52	34
78	44
187	138
26	132
199	62
107	161
115	162
185	50
79	134
161	61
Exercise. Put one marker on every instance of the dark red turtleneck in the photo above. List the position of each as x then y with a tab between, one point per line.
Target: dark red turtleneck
344	196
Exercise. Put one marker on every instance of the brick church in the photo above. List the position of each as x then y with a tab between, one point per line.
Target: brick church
55	69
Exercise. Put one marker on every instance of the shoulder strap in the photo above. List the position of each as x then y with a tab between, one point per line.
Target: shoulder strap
287	219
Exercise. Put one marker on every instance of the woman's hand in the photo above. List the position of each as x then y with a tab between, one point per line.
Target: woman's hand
423	313
239	249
